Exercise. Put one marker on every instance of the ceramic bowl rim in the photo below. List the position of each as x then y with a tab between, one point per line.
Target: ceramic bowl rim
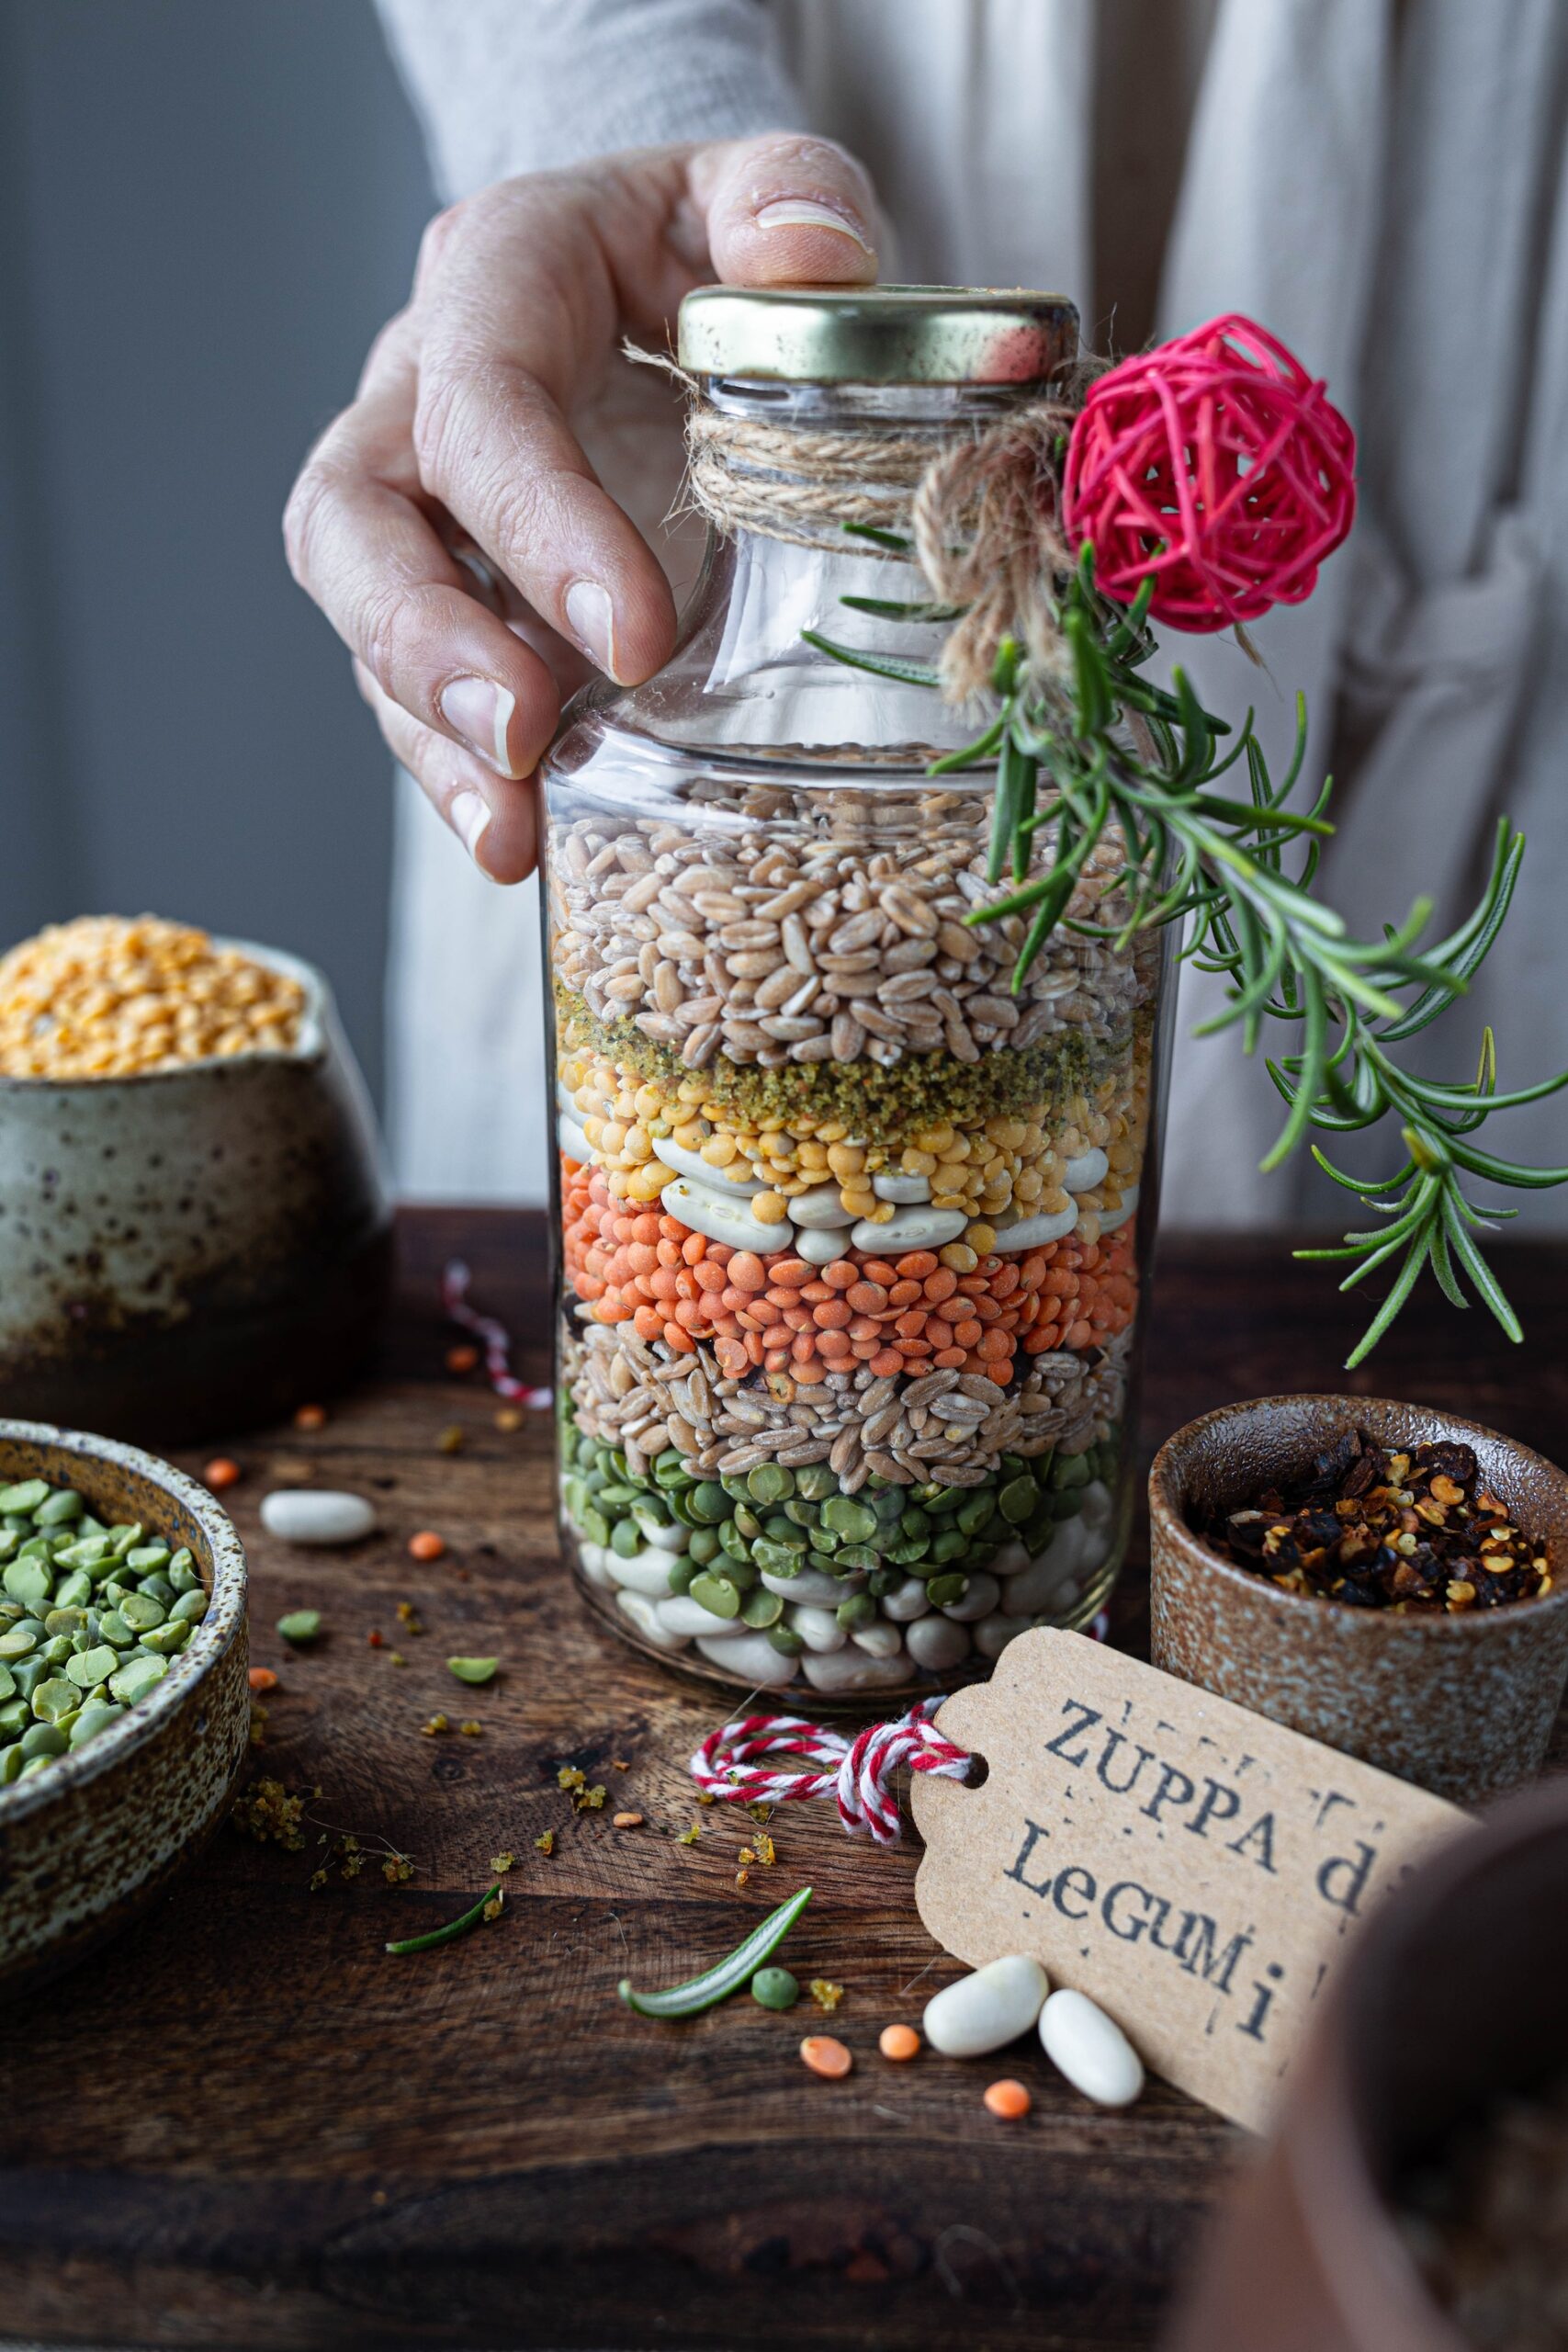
210	1642
311	1046
1167	1521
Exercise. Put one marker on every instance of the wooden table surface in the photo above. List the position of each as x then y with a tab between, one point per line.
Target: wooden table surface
244	2125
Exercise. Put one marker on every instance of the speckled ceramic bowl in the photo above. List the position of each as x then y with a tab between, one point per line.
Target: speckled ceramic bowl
195	1250
1463	1705
85	1845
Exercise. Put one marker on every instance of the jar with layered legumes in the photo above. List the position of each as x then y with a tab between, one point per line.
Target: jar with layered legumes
852	1228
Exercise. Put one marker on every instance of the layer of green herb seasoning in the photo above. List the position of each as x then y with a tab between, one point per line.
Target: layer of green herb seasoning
880	1106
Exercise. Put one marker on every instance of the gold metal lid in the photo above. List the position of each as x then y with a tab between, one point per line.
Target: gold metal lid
877	334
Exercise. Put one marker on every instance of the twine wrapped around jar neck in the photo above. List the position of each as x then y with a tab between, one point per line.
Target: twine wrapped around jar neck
980	503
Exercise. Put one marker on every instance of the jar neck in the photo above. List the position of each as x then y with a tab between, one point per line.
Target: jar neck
743	679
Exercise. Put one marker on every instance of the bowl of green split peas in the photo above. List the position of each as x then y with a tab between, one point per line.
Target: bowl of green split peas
124	1699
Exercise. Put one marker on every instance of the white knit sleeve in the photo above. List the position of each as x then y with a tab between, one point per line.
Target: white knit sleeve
503	87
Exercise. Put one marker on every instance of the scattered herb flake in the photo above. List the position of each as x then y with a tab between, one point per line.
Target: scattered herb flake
689	1836
568	1777
826	1994
437	1723
471	1729
267	1813
546	1841
501	1863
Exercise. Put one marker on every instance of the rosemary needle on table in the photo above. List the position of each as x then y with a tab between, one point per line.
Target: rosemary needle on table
727	1975
454	1928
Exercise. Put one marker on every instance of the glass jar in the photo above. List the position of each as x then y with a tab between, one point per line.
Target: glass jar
850	1271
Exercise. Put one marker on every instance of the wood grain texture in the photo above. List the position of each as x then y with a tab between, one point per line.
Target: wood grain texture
244	2125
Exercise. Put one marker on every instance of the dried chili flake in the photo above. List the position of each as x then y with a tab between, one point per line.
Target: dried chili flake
1382	1527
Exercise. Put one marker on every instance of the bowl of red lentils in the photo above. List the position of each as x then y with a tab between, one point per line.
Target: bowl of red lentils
195	1221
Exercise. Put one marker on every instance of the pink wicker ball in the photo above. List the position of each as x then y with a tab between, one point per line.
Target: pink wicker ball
1216	466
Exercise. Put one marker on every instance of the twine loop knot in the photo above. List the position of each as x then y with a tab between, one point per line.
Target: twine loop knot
734	1764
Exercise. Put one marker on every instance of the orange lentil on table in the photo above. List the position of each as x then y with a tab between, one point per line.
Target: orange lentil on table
779	1314
310	1416
426	1545
899	2043
1007	2100
262	1677
462	1359
222	1473
825	2057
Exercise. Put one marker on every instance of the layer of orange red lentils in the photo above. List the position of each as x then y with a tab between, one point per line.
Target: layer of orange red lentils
909	1314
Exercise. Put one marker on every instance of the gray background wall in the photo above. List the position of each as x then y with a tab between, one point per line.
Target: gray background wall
206	210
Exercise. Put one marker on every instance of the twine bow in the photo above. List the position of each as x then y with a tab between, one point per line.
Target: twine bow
980	504
731	1764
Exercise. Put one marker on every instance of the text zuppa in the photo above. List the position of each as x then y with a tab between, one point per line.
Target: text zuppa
1206	1806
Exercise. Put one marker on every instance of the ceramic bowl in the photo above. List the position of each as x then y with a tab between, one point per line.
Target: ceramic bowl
1463	1705
195	1250
1453	1997
86	1845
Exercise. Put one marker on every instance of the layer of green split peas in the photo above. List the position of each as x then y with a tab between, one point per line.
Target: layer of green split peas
779	1521
90	1616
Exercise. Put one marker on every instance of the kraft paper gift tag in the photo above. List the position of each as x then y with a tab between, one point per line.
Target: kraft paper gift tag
1195	1868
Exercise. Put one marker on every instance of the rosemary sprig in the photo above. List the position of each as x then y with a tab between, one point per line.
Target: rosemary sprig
1102	753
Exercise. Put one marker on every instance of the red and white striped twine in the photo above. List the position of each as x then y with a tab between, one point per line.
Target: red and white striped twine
494	1337
730	1764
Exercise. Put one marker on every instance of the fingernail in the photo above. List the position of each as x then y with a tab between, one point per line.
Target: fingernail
592	620
799	212
481	711
468	813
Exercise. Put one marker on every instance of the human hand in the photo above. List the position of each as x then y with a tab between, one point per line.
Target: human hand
462	427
